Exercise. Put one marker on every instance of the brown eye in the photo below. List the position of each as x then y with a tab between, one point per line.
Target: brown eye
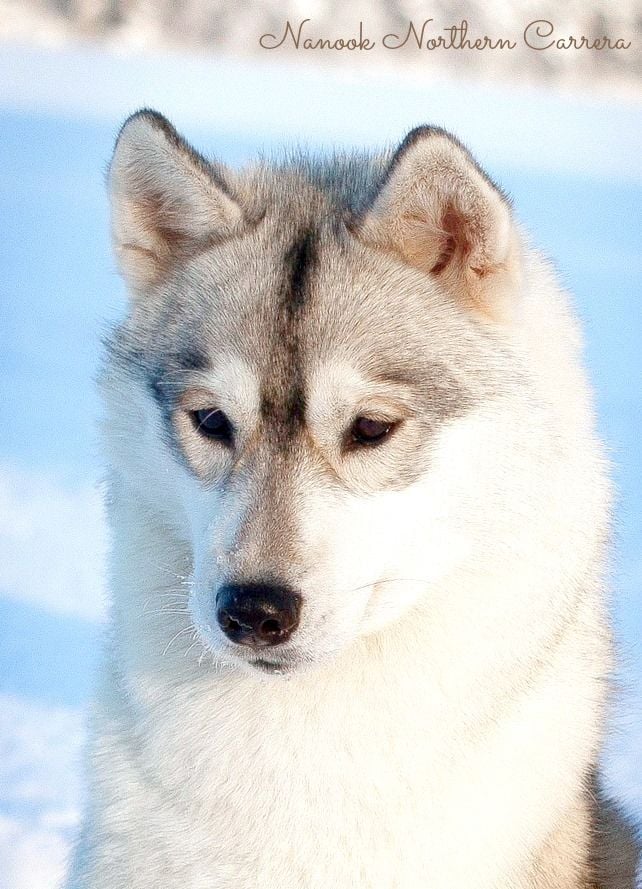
366	431
213	424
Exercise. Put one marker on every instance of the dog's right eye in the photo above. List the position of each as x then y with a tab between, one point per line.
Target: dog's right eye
213	423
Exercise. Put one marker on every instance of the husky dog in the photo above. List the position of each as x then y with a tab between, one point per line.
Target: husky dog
359	515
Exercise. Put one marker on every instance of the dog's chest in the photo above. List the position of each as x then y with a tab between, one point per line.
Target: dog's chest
302	794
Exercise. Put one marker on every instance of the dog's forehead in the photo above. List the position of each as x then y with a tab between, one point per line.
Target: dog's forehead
298	294
311	291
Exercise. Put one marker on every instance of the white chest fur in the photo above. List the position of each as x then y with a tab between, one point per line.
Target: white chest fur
365	773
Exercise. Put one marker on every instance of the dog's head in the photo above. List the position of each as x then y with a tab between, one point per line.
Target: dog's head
310	381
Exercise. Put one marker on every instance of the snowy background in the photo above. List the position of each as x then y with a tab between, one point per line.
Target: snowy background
573	168
235	27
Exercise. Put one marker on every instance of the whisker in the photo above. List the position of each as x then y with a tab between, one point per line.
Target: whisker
195	642
182	594
168	600
176	636
180	371
173	600
387	580
177	378
184	578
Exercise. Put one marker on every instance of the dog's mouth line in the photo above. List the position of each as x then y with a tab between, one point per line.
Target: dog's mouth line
270	666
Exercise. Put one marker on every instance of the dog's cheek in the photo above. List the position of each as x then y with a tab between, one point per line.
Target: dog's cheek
411	540
134	440
347	542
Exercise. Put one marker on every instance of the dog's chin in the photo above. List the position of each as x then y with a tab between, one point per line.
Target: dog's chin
278	666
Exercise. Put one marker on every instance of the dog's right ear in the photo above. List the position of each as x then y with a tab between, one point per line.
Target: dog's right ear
166	200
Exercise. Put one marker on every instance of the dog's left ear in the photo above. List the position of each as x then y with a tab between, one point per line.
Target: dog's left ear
438	212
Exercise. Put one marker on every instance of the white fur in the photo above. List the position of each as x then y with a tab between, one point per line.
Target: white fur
437	728
235	779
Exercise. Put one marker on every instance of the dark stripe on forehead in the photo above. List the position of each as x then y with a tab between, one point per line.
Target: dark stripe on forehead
300	261
283	400
284	408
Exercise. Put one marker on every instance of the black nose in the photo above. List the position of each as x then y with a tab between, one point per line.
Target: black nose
257	614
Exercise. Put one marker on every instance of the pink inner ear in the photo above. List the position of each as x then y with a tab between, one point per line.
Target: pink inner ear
455	239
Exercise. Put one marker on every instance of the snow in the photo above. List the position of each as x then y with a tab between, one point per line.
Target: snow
525	128
623	769
41	791
52	544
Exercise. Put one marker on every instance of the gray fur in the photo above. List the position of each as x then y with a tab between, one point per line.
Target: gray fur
299	261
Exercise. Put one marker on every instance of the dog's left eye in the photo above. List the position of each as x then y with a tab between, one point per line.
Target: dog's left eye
368	431
213	423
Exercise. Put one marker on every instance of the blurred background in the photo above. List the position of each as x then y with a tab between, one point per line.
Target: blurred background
559	129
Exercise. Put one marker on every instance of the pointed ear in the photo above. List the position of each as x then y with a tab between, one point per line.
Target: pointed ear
166	200
440	213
